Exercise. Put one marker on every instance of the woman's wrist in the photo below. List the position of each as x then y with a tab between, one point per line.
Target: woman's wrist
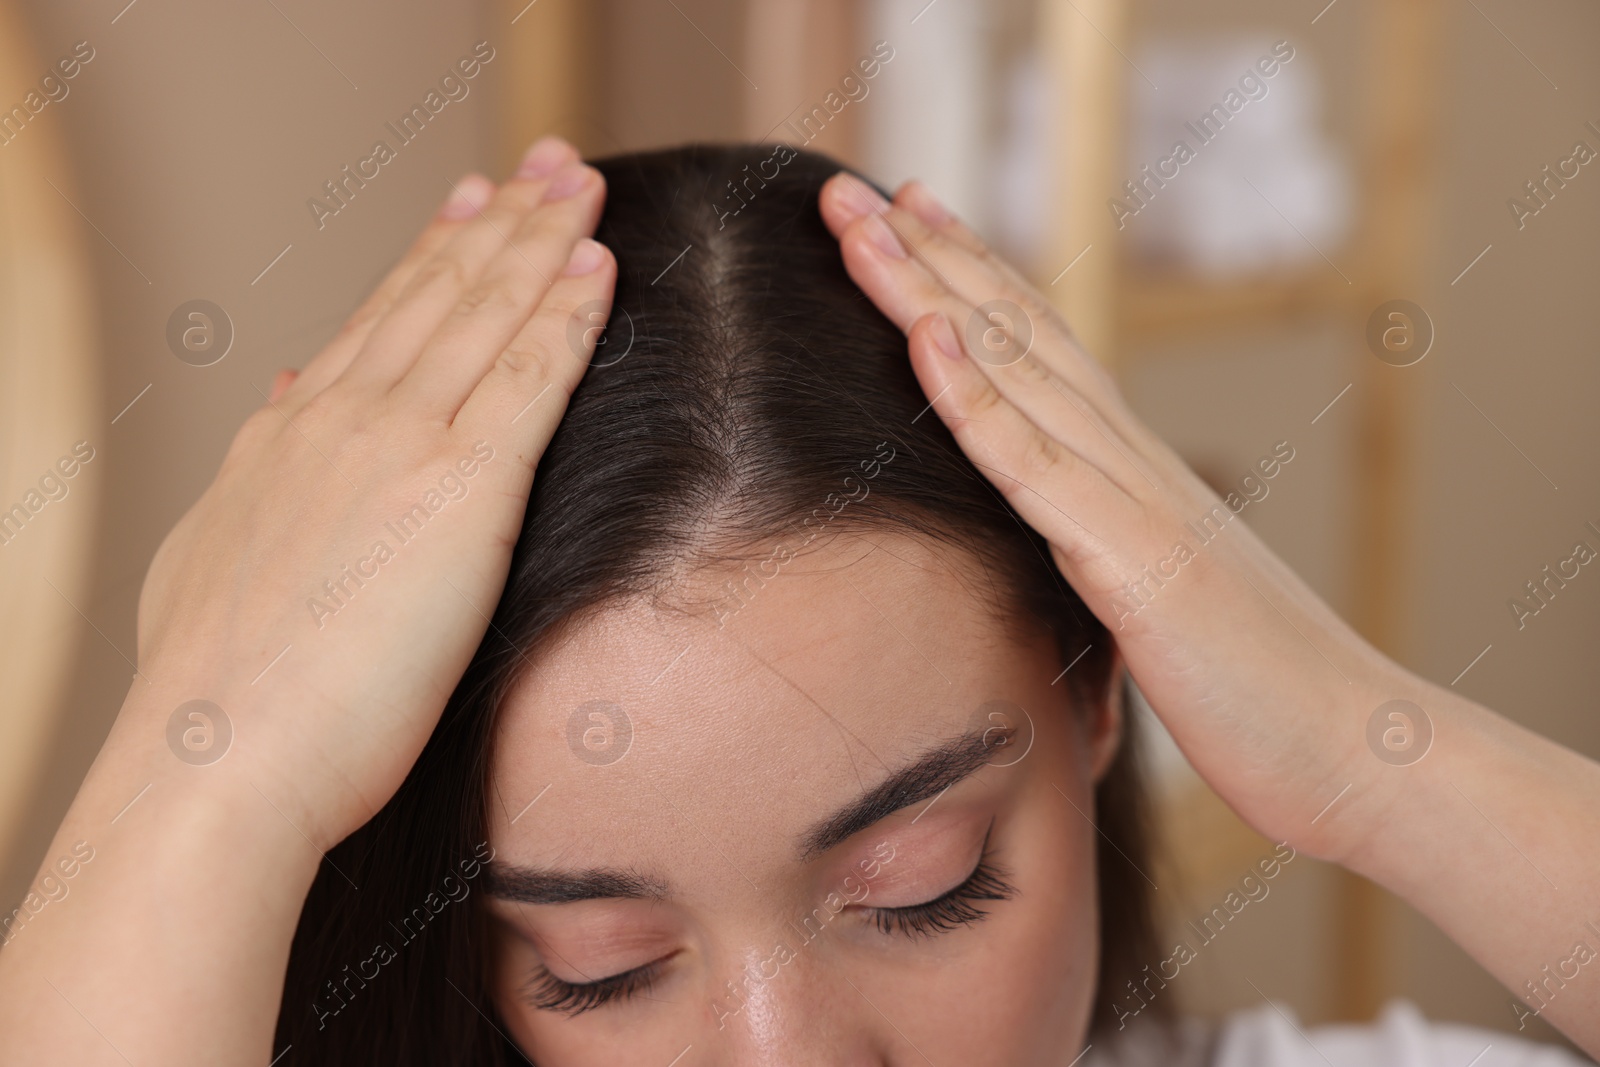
1420	745
219	736
186	883
194	768
1478	833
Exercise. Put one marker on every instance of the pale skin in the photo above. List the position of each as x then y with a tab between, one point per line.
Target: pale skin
794	709
172	945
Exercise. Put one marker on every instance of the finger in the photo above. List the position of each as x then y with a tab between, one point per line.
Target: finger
914	196
490	315
467	197
439	284
904	289
954	255
1055	490
281	381
844	198
522	397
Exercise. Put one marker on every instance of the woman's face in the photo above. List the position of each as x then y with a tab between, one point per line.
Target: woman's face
848	826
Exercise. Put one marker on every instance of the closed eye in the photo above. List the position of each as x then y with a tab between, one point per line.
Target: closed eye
545	991
950	910
953	909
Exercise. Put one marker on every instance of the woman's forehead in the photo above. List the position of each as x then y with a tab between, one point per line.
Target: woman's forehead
852	659
873	612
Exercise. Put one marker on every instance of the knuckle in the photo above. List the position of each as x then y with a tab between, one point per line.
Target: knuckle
318	411
1051	316
442	272
257	428
1042	317
499	293
568	303
982	255
1035	454
1041	453
961	235
1039	381
983	403
1035	310
1032	374
522	357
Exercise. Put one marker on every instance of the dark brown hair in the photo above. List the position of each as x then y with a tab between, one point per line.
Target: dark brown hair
742	378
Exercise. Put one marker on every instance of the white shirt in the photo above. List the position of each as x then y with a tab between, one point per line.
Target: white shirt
1271	1036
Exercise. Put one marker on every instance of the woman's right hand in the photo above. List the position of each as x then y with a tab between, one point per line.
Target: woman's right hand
188	851
329	588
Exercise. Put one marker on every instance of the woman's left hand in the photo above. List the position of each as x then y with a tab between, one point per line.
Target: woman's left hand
1276	701
1264	688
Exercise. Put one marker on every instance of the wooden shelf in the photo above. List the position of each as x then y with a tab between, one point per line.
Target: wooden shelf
1161	306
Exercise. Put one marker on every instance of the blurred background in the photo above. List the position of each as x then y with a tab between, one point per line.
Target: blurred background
1242	289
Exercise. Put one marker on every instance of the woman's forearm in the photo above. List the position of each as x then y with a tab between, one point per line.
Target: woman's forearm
169	944
1493	835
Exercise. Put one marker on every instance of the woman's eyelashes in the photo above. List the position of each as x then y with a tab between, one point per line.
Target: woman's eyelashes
950	910
549	993
956	908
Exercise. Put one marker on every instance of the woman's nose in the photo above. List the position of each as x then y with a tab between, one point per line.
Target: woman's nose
790	1007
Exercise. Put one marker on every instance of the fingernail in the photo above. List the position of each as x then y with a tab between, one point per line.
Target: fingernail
877	228
543	158
857	198
927	207
945	338
586	257
568	180
470	195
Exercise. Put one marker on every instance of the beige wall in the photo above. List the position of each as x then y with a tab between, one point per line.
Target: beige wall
197	134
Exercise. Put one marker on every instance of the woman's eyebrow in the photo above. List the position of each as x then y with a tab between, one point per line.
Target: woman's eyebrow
527	885
930	775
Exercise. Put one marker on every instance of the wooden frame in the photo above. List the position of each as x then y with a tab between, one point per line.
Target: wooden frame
49	400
